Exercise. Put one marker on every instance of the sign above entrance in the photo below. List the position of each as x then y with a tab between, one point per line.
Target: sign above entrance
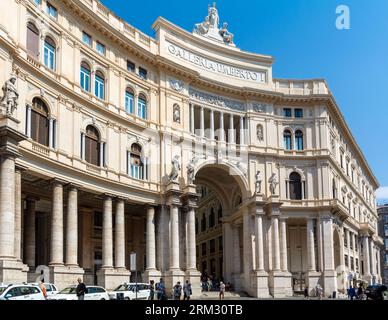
216	67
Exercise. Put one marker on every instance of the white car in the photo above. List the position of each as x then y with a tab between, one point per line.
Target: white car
51	289
127	291
20	292
93	293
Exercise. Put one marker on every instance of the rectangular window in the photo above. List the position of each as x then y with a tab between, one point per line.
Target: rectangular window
130	66
203	249
287	112
220	244
342	160
52	11
386	258
38	2
212	245
346	260
85	79
345	239
386	230
357	265
351	263
98	220
386	244
49	56
87	39
143	73
386	218
129	101
351	241
99	87
298	113
100	48
141	109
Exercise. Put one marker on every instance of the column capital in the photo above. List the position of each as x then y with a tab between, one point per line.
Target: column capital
20	168
56	181
121	199
73	186
107	196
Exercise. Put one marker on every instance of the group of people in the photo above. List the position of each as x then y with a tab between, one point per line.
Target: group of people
353	292
160	290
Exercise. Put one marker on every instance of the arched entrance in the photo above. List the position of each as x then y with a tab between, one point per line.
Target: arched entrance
219	229
338	260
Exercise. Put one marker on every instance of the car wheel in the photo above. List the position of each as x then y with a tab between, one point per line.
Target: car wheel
102	299
126	298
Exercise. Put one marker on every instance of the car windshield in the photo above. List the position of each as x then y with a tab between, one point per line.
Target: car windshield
123	287
70	290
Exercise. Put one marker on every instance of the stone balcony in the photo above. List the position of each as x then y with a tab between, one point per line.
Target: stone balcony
366	227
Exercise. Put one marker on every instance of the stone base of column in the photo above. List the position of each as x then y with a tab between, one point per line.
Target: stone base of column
236	281
280	284
312	279
13	271
64	276
259	280
151	274
329	282
111	278
194	277
171	278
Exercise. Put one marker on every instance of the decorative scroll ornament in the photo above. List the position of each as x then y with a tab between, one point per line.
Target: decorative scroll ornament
216	100
176	85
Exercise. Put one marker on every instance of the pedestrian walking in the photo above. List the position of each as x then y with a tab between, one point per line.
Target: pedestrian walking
152	290
222	291
81	290
306	293
177	291
187	292
161	290
43	288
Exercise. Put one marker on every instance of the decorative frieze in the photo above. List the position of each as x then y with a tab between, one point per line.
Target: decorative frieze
214	100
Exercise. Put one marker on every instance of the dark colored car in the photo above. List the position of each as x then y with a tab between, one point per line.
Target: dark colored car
376	292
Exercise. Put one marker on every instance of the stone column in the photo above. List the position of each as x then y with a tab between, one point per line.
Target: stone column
120	235
83	146
107	234
276	243
18	214
259	242
242	131
7	206
28	121
202	122
236	249
372	258
231	129
56	247
347	235
72	228
211	124
174	237
29	236
51	132
102	154
151	244
329	273
192	264
310	245
192	118
222	127
367	271
283	246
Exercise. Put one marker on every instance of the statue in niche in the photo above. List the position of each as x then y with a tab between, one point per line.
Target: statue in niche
190	173
273	182
177	114
259	132
258	182
176	167
10	100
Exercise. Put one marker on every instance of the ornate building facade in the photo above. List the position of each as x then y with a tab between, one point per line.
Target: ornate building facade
106	134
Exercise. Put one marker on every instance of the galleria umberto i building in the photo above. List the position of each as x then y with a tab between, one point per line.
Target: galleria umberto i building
181	148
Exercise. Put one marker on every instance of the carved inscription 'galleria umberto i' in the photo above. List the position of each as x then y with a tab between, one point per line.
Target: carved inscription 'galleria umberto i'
213	66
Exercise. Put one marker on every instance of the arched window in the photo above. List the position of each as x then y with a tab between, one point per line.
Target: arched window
40	122
287	140
99	85
33	40
129	100
85	76
136	164
212	218
142	107
299	140
92	146
49	53
295	186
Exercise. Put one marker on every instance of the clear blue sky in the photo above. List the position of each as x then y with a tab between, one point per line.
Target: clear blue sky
302	36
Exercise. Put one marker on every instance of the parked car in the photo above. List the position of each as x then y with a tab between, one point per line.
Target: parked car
51	289
93	293
127	291
20	292
376	292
